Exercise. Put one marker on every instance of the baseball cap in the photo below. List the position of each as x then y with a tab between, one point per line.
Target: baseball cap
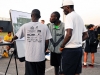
67	2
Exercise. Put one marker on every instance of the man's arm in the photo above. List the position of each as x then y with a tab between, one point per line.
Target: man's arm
67	37
46	44
14	38
85	36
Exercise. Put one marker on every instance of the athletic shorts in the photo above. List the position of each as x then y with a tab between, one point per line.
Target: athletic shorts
90	48
35	68
71	61
55	59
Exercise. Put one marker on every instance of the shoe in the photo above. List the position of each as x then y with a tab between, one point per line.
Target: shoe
84	66
91	65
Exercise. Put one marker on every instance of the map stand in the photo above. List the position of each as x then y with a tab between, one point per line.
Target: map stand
14	53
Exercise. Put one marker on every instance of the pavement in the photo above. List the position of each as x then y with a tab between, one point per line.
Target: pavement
49	69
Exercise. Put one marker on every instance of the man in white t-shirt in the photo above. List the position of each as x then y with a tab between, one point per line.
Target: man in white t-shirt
36	41
75	32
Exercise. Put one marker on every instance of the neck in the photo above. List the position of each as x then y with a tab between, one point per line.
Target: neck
71	10
57	22
34	20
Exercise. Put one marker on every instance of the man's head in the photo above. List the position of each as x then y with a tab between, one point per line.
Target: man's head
1	29
35	15
42	21
54	17
67	6
9	33
91	27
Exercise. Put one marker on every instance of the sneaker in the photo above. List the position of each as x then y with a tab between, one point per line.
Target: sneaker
84	66
91	65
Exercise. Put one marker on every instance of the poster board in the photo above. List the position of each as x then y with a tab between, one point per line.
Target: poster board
18	18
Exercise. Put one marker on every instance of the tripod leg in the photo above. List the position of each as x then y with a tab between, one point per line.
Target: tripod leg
8	64
16	65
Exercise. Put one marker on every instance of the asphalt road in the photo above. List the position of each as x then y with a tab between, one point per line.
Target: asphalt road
49	69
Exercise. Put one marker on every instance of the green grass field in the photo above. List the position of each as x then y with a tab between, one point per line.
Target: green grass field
3	33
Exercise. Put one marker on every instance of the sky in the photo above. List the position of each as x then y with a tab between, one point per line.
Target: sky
89	10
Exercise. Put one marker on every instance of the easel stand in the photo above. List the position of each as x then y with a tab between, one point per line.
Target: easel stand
14	53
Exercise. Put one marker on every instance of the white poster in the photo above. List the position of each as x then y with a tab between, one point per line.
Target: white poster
19	18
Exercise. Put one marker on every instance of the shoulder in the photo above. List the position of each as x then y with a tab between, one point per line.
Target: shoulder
72	15
63	24
50	25
6	36
26	25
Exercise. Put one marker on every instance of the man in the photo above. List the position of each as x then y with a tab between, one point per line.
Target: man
35	36
75	32
8	39
57	31
42	21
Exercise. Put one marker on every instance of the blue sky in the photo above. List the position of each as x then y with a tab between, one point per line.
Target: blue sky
89	10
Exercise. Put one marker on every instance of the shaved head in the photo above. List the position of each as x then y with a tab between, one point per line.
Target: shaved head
35	13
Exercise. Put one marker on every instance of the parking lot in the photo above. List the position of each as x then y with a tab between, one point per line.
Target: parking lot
49	69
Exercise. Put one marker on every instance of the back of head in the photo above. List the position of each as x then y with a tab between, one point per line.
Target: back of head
90	26
35	13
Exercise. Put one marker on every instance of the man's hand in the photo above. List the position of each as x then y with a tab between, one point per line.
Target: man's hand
12	41
14	38
61	49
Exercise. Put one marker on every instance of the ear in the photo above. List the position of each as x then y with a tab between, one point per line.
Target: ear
31	15
40	16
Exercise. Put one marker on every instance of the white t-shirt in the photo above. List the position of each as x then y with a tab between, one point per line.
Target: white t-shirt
74	22
35	35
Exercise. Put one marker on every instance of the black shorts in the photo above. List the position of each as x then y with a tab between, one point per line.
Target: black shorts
55	59
35	68
71	61
90	48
